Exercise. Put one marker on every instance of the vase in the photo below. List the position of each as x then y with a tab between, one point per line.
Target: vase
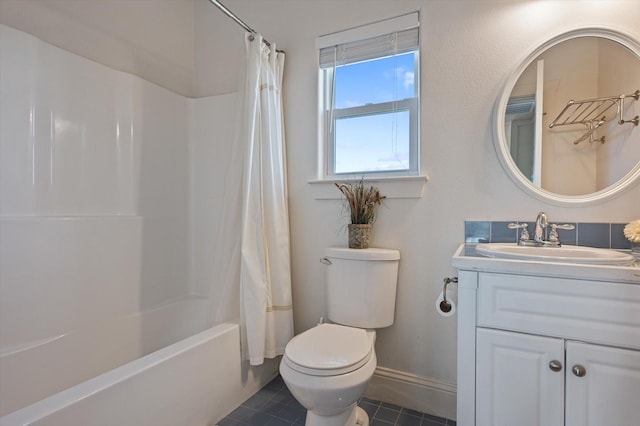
359	235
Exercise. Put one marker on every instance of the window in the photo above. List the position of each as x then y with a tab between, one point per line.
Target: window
370	99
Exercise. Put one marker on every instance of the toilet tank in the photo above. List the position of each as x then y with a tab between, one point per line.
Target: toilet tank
361	286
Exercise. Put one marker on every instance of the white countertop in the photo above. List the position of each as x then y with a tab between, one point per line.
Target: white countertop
466	258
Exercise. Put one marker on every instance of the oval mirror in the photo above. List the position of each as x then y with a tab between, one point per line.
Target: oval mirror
567	121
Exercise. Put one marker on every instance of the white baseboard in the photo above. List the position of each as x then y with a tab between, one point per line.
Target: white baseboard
414	392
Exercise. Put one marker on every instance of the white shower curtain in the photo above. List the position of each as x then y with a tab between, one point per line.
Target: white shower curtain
265	273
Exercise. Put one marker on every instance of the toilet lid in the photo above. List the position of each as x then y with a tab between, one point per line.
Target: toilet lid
329	349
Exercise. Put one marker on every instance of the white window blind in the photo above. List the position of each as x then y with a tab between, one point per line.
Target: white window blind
368	31
362	50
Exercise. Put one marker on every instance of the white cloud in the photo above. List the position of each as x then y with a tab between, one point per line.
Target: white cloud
408	79
349	103
405	77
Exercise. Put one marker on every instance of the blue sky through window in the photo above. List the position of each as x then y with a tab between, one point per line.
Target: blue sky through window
380	141
370	143
381	80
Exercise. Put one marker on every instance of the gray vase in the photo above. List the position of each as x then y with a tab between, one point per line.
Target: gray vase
359	235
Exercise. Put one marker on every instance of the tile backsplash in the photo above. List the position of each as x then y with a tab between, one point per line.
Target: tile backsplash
603	235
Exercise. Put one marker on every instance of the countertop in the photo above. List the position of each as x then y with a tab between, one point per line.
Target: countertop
466	258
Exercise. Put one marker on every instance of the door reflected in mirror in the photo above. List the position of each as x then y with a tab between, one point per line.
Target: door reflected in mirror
562	118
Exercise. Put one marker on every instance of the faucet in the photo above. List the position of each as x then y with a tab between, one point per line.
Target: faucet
542	228
545	234
542	235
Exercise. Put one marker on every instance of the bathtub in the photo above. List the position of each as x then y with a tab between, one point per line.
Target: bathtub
196	381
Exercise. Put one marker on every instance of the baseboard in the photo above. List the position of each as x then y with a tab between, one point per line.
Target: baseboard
412	391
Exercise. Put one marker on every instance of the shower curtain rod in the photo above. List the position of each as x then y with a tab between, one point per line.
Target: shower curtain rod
237	20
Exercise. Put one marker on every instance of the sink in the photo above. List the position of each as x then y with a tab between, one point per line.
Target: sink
565	254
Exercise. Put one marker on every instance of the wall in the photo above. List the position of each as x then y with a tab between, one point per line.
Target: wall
80	140
469	47
153	39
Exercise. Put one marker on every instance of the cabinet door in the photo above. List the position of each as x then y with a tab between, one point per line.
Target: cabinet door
604	389
514	382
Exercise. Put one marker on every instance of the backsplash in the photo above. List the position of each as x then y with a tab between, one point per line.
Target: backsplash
602	235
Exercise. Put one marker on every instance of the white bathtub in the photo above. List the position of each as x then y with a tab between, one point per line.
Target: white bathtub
77	349
196	381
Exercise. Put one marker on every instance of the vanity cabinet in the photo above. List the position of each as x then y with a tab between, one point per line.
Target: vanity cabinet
514	383
547	345
525	379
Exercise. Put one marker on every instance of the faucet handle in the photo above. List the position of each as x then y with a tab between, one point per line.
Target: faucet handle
566	226
553	235
524	235
514	225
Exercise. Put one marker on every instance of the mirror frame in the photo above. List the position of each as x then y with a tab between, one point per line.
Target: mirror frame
502	150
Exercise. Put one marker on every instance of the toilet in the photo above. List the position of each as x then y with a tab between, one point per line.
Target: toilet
327	368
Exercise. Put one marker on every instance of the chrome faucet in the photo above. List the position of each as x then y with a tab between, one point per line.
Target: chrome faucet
542	228
545	234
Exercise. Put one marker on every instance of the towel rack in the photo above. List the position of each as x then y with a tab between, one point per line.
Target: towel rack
592	113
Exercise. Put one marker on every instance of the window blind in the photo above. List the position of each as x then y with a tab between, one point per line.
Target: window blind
375	47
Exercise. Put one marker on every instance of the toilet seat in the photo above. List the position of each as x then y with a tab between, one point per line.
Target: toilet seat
329	350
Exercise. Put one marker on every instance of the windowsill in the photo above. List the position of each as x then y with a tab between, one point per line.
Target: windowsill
391	187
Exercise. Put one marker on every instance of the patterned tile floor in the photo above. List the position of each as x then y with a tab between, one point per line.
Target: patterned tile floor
274	405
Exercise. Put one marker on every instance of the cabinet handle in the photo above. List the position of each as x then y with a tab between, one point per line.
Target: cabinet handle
579	370
555	365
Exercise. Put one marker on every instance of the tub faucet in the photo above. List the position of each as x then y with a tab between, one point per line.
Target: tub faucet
542	228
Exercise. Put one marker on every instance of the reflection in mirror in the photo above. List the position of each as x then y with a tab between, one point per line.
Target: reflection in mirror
520	131
562	119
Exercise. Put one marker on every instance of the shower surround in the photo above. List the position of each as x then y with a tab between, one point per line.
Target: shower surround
103	257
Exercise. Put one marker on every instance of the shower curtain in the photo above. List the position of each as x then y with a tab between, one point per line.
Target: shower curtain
265	273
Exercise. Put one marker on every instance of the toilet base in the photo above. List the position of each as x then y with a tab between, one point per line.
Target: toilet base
362	419
354	417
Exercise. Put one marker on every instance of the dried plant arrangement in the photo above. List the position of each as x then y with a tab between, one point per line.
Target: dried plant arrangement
361	200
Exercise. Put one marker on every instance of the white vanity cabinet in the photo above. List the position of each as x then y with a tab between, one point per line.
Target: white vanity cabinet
609	391
545	344
524	379
514	383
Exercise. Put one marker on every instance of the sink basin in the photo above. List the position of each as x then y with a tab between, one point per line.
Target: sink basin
566	254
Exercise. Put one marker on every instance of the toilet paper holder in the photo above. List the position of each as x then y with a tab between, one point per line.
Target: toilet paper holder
445	305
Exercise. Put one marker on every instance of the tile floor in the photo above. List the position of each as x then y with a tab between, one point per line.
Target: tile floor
274	405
